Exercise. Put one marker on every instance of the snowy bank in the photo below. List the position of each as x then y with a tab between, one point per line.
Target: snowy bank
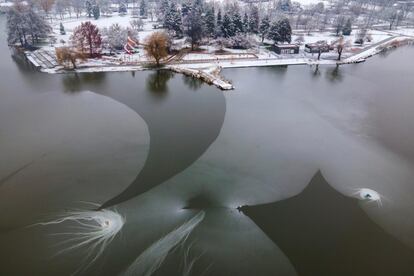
391	42
206	66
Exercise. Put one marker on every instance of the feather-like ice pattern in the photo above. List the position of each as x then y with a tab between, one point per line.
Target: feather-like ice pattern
94	231
153	257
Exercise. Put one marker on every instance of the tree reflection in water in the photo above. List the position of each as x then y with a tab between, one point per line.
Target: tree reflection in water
192	83
315	71
74	83
23	65
157	83
334	74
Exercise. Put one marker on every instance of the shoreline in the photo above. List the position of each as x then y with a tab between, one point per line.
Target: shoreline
209	70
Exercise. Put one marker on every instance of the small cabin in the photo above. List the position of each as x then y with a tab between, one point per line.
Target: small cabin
286	49
314	48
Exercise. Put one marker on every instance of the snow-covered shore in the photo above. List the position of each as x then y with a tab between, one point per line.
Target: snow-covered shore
376	49
200	63
208	70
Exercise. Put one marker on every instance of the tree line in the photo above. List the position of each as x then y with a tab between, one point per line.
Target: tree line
197	20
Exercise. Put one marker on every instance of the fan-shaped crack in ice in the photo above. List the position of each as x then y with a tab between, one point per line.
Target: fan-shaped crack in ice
94	230
153	257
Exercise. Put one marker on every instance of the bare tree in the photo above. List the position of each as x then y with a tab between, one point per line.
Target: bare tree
392	17
137	24
66	56
155	46
46	5
341	45
78	7
339	24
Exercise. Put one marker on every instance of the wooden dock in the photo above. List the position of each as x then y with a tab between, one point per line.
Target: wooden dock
42	59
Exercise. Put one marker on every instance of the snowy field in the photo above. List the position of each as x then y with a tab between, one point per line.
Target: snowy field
103	22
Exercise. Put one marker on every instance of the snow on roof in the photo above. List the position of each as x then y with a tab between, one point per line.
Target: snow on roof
286	45
10	4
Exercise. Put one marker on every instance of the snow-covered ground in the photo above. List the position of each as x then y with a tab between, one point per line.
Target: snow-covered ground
124	20
377	36
103	22
5	6
206	56
302	2
375	49
308	2
199	63
402	31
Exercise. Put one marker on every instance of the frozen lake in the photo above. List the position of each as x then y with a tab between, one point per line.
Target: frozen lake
298	171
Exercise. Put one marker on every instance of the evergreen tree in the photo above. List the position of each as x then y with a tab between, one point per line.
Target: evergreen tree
185	9
122	8
237	22
143	8
285	30
245	23
96	12
178	23
347	29
193	23
167	23
273	33
172	19
339	24
280	31
89	4
164	7
227	28
209	22
199	5
264	27
284	5
254	20
219	25
62	29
